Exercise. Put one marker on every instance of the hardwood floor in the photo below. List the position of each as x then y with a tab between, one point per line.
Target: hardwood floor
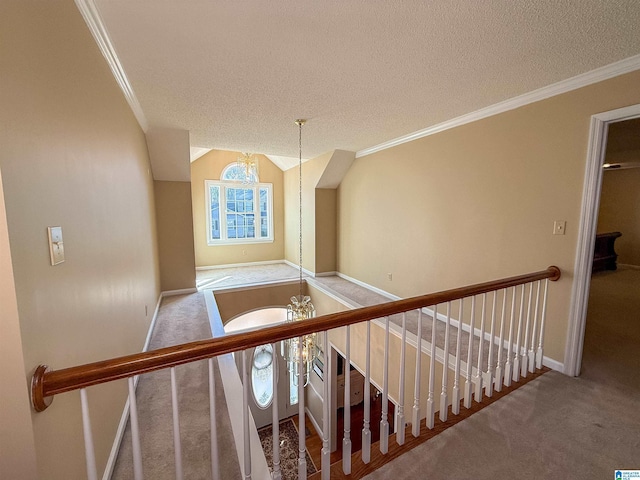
360	469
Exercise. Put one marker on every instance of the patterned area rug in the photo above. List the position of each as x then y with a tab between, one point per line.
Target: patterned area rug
288	449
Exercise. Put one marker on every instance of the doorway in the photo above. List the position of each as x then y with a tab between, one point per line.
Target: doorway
588	226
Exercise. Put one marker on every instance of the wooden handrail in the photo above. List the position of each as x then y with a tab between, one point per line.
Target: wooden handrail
47	383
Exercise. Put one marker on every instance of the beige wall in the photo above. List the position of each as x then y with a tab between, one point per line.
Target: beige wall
477	202
232	303
175	235
312	171
73	155
620	212
209	167
17	447
326	234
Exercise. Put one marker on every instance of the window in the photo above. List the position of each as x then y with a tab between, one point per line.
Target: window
238	213
262	375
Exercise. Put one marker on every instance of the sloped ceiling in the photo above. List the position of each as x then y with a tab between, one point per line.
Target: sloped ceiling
236	74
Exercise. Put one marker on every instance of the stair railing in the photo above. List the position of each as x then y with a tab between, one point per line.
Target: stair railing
518	301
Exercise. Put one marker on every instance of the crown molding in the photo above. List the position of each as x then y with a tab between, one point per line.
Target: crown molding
93	20
594	76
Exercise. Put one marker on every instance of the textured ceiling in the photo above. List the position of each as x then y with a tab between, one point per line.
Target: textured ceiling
236	73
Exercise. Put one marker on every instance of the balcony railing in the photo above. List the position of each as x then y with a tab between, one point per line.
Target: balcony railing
504	321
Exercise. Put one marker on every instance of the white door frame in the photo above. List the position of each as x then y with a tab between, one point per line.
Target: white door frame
586	239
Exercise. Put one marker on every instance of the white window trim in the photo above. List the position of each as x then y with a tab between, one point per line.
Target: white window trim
223	224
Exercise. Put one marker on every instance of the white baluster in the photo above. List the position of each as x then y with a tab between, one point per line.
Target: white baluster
276	474
384	421
488	389
468	384
444	400
508	369
302	459
500	361
540	352
415	421
430	421
516	358
135	431
215	464
400	424
455	402
245	417
366	430
177	445
326	411
89	451
525	342
532	354
478	392
346	441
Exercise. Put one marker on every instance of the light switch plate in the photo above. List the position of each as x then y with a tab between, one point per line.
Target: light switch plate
56	245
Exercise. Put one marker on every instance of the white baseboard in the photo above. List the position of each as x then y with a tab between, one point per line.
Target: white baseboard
370	287
124	418
308	273
326	274
233	265
314	422
629	266
183	291
347	302
553	364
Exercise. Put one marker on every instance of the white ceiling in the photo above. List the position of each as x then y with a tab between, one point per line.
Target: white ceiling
237	73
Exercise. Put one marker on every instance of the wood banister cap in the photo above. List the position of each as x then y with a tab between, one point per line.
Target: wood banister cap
38	400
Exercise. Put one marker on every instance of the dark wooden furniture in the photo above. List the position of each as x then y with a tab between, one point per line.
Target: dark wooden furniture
604	256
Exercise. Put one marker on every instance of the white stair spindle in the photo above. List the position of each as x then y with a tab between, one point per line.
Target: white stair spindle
508	368
135	431
384	421
455	402
215	464
400	423
532	351
540	351
516	357
500	361
302	447
366	430
89	451
479	369
245	417
415	420
488	389
276	474
346	441
524	358
468	384
177	444
430	420
326	415
444	399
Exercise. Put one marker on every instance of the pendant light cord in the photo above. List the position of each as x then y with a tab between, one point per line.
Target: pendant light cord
300	123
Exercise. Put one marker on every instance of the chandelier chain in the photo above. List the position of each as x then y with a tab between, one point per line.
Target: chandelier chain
300	203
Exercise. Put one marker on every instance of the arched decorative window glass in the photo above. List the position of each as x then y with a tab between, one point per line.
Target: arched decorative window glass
238	212
235	173
262	375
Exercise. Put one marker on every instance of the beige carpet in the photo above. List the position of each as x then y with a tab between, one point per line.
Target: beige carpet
181	319
234	276
555	426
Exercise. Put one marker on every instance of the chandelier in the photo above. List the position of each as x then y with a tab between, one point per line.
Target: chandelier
300	352
249	163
